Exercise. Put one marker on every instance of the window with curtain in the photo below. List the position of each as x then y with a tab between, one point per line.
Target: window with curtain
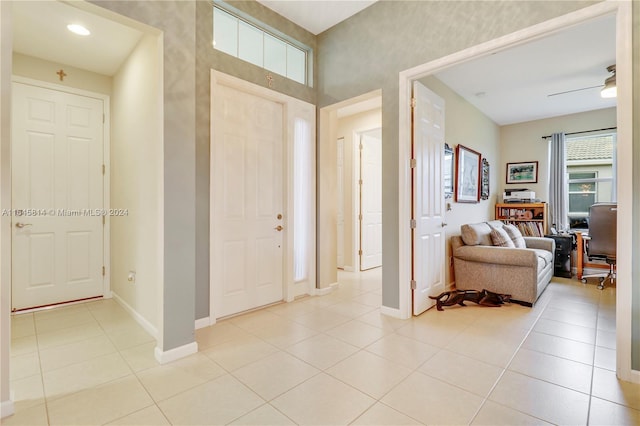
250	40
591	169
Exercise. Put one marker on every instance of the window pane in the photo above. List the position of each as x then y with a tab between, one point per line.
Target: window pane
582	187
225	32
275	55
250	44
581	202
302	202
605	192
296	69
582	175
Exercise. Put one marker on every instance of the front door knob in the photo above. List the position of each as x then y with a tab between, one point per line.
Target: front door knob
22	225
278	228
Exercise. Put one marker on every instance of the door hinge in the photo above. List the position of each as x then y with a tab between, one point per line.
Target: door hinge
360	182
103	220
413	163
103	119
413	284
104	271
104	169
360	146
360	252
360	217
413	224
413	102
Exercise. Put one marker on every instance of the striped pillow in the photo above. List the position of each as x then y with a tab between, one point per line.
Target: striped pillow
515	235
500	238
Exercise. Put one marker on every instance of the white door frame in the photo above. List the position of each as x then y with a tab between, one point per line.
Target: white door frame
622	10
106	188
292	108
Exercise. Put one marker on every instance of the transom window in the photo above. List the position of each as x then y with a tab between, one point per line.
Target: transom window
252	42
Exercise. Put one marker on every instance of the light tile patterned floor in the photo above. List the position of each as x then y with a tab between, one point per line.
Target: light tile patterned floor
331	360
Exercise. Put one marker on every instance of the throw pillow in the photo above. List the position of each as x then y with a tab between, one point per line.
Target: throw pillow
515	235
500	238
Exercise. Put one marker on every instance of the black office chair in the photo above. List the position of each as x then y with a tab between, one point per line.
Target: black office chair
601	242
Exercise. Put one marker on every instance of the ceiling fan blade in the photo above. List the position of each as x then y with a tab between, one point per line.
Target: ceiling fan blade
574	90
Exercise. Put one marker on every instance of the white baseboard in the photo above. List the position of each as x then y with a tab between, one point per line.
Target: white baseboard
324	290
164	357
148	327
203	322
7	408
391	312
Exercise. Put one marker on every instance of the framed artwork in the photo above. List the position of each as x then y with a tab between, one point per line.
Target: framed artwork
447	178
467	175
484	187
522	172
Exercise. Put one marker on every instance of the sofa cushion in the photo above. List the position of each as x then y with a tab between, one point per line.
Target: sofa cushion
476	234
544	258
515	235
500	238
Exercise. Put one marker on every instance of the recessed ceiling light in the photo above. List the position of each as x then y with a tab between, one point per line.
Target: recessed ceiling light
78	29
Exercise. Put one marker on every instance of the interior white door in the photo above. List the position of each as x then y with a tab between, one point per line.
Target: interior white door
371	199
340	215
247	166
429	239
57	197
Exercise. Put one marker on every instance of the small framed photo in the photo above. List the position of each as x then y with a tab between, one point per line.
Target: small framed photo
467	175
522	172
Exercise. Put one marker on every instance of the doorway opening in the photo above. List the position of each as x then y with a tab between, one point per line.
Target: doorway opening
623	63
358	153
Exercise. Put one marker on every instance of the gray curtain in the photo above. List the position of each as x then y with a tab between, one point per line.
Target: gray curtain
558	194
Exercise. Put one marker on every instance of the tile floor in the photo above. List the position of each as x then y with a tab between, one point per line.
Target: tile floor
331	360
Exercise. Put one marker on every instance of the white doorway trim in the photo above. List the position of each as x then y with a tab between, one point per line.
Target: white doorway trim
622	10
106	191
293	109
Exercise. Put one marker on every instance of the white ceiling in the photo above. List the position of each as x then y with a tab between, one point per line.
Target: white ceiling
317	16
40	30
514	85
515	82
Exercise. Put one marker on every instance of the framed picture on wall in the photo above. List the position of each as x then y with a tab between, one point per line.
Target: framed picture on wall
467	175
522	172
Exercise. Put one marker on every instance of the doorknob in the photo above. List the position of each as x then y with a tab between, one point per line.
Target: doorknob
22	225
444	224
278	228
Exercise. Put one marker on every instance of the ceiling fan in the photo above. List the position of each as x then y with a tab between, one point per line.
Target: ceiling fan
608	88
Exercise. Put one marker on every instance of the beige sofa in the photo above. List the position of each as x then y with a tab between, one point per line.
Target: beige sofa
521	272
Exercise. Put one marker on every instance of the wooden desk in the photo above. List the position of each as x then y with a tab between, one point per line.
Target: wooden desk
582	261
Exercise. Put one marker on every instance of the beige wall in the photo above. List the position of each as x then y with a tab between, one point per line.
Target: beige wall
523	142
466	125
136	180
346	128
43	70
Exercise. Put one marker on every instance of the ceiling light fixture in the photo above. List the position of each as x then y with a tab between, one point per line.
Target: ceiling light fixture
78	29
609	90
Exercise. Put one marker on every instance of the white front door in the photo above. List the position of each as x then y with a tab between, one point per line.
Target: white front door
429	239
371	199
247	143
57	197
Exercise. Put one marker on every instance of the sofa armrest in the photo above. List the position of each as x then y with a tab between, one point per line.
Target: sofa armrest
542	243
497	255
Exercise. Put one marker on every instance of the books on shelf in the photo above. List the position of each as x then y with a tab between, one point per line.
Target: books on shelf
530	218
528	229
